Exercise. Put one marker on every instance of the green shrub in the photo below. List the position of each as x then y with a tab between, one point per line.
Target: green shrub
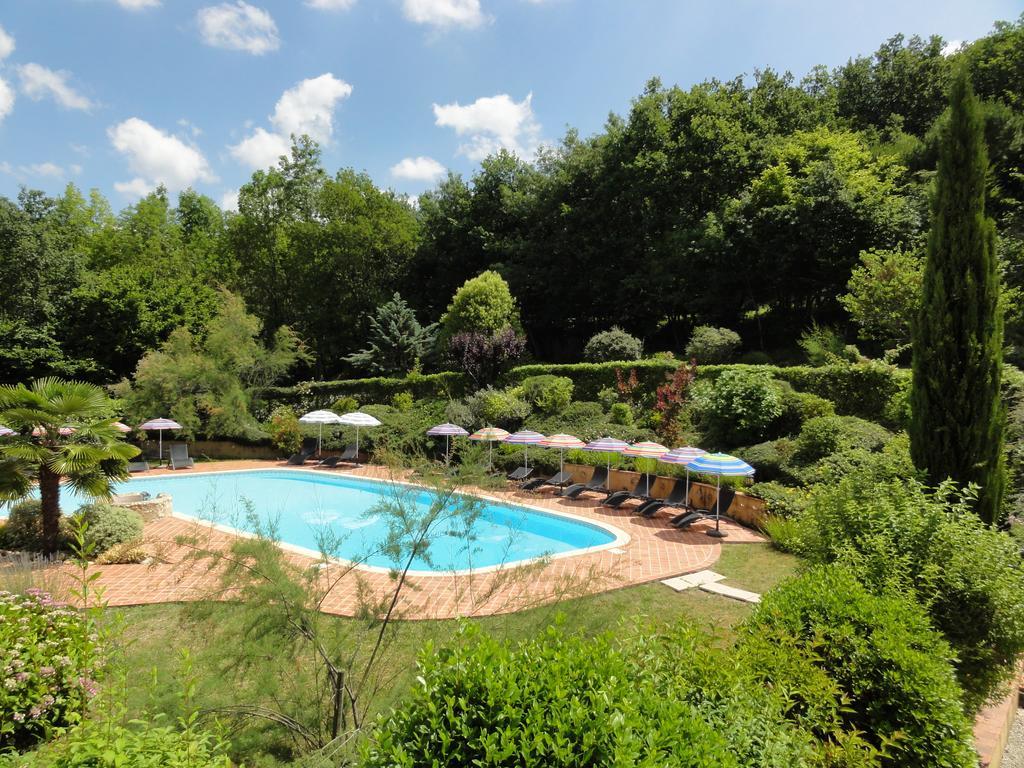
781	500
560	700
798	407
621	413
285	431
24	528
825	435
547	394
586	420
348	404
401	432
709	345
127	552
892	671
823	345
613	344
109	525
311	395
99	743
483	304
498	407
755	357
402	401
902	536
50	664
769	458
607	397
740	407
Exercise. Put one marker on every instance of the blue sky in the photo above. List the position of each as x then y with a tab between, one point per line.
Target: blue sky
124	94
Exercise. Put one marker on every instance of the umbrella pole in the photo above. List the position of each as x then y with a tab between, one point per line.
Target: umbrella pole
320	441
490	454
160	440
717	532
357	443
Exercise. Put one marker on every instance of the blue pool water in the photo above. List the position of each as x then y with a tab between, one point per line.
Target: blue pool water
301	505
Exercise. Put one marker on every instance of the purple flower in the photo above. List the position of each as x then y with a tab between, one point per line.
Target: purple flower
46	671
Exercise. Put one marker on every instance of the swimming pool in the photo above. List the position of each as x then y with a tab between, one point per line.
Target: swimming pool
305	506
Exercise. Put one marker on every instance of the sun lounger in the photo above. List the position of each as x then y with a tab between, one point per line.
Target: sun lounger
180	458
139	464
520	474
676	499
640	491
690	516
559	479
350	454
599	482
330	462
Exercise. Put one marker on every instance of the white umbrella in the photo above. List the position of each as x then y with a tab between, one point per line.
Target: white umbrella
159	425
359	419
320	418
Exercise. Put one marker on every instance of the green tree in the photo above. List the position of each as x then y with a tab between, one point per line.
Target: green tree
484	305
397	341
885	295
64	431
958	422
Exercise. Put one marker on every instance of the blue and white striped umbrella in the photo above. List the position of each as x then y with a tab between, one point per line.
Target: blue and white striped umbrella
684	456
608	445
719	464
525	438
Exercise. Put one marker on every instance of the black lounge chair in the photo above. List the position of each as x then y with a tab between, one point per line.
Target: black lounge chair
688	517
558	479
599	482
299	458
520	474
139	464
676	498
350	454
180	458
640	491
330	462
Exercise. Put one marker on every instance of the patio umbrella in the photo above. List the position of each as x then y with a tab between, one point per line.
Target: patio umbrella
320	418
646	450
122	427
561	442
525	438
608	445
683	456
492	435
359	419
719	464
63	431
449	431
159	425
4	431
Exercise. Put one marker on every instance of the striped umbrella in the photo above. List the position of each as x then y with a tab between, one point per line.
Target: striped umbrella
561	442
358	419
159	425
449	431
608	445
719	464
120	426
683	456
525	438
646	450
492	435
4	431
320	418
63	431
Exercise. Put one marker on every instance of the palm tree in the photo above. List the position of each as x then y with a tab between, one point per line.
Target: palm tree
63	431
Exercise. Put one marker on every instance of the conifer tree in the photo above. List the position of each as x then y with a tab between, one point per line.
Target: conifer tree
958	416
397	342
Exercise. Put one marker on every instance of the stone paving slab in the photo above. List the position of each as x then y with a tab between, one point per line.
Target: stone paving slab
690	580
733	592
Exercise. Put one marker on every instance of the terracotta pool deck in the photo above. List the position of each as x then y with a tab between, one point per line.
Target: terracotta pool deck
655	551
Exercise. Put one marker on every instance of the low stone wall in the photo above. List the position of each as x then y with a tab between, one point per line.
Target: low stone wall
745	509
215	449
149	509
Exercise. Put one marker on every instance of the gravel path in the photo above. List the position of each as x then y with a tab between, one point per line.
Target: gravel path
1013	757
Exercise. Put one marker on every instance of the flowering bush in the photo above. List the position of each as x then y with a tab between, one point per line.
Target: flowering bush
48	662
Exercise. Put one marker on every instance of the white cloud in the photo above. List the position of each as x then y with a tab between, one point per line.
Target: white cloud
418	169
39	82
6	99
307	108
260	150
138	5
75	168
229	200
951	47
492	123
6	44
44	169
157	158
238	27
331	5
444	13
5	167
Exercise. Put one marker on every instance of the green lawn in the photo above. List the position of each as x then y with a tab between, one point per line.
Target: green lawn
154	634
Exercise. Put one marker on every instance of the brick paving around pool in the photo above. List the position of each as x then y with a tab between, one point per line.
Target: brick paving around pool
655	551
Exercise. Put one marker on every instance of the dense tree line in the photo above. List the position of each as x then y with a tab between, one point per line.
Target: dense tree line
746	204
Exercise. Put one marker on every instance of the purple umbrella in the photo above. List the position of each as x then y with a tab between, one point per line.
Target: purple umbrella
448	431
607	445
159	425
683	456
525	438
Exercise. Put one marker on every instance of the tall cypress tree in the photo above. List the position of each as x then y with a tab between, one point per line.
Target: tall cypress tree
958	416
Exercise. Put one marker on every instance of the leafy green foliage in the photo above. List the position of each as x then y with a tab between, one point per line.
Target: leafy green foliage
892	673
482	305
901	536
285	430
505	408
958	421
24	527
824	435
109	525
613	344
885	295
50	663
710	346
823	346
740	406
482	357
587	421
547	394
397	342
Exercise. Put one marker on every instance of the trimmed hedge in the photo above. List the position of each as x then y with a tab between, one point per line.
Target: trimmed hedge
381	390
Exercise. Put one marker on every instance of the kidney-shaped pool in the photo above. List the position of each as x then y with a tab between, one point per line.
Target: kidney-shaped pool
307	508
